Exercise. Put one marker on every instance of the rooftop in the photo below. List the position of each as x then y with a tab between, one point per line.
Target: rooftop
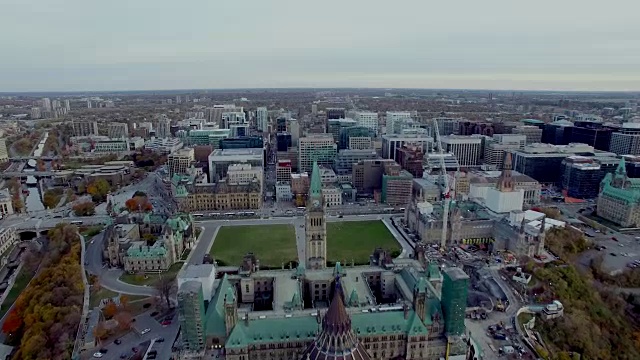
198	271
456	273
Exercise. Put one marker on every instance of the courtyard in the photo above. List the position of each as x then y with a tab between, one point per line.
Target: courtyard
273	245
356	240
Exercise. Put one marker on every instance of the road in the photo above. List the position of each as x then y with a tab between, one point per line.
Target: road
109	278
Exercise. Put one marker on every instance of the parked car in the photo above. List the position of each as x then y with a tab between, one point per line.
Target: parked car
98	355
117	341
145	331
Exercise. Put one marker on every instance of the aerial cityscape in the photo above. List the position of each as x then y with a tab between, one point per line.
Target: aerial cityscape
320	224
337	180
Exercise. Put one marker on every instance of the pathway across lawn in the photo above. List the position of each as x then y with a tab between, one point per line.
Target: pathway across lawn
356	240
272	244
151	279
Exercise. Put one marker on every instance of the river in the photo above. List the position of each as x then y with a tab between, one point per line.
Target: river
33	202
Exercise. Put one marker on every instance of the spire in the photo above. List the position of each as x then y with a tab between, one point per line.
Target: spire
336	341
542	225
336	320
621	170
505	182
315	189
230	296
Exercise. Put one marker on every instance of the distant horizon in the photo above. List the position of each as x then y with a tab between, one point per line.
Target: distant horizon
346	88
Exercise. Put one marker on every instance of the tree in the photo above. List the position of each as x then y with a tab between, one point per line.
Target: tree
124	302
124	320
138	204
110	310
100	331
12	323
165	287
86	208
98	189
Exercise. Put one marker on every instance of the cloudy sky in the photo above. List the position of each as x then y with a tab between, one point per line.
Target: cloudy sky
158	44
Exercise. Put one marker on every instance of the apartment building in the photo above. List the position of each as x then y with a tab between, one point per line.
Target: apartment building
283	171
84	128
367	119
118	130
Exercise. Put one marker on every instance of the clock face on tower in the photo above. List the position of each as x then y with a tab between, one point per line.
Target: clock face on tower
316	203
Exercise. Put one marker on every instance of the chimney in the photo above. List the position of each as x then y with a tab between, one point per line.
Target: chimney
406	311
246	319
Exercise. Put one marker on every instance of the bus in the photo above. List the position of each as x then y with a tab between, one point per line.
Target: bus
249	213
388	209
76	222
198	215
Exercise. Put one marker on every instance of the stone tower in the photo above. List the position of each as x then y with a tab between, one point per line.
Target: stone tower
230	310
420	298
315	224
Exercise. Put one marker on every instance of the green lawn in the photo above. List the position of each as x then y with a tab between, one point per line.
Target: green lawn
96	296
22	280
150	279
356	240
272	244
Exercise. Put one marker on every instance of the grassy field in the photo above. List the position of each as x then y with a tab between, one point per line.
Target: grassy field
356	240
272	244
96	296
150	279
22	280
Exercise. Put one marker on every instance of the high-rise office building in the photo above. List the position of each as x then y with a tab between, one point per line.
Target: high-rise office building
191	314
293	126
283	141
180	160
448	126
455	287
335	113
262	119
163	128
581	175
390	143
467	149
336	126
67	105
118	130
532	133
85	128
4	154
496	147
235	121
318	147
627	141
314	109
397	120
367	119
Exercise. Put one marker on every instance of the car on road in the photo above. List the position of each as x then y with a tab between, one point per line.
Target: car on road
124	356
166	323
145	331
614	238
98	355
613	254
160	339
117	341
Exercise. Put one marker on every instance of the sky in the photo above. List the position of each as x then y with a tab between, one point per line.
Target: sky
80	45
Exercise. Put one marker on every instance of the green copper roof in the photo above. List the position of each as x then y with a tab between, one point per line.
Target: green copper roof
315	189
353	298
272	330
305	328
230	296
434	270
215	312
421	286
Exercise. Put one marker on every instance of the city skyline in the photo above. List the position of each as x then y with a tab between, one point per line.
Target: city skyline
69	46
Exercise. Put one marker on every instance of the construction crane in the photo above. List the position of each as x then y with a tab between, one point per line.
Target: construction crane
446	190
